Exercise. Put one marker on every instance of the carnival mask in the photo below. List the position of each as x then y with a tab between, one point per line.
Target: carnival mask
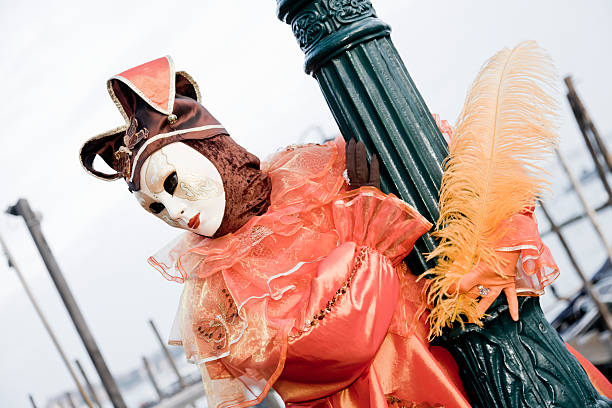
183	188
177	159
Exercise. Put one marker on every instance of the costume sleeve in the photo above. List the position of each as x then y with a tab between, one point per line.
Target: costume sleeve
536	267
378	221
387	228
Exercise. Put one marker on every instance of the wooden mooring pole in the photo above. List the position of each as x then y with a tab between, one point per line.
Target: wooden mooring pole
588	285
22	208
603	310
45	323
90	388
596	150
70	400
587	207
585	124
147	367
167	354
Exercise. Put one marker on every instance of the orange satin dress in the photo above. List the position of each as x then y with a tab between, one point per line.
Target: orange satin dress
312	298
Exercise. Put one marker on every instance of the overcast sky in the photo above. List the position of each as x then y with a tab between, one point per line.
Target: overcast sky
55	58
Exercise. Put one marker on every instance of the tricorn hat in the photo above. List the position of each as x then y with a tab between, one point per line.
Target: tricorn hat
160	106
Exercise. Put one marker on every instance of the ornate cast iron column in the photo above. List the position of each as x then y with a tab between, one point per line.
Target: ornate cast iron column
349	52
372	97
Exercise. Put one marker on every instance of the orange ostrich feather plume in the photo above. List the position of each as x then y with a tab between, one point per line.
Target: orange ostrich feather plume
508	126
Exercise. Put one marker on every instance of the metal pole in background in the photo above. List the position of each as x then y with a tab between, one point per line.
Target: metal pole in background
588	285
167	353
92	392
23	209
151	377
13	265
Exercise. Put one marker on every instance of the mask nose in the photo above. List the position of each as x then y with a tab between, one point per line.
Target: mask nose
175	209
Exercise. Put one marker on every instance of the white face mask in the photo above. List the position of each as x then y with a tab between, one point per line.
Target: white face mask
183	188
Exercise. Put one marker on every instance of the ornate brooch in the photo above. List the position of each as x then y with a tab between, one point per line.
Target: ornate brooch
130	140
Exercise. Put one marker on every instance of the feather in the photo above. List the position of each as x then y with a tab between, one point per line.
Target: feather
507	127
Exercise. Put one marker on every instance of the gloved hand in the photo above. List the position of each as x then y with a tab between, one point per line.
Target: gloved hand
359	172
528	266
483	282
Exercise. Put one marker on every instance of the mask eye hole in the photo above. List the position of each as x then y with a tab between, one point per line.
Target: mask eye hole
170	183
156	207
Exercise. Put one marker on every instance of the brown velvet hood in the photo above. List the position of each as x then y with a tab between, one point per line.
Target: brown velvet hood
161	106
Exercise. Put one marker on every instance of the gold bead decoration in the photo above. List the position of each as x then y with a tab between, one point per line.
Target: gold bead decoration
332	302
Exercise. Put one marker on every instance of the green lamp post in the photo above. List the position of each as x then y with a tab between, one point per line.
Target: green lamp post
373	99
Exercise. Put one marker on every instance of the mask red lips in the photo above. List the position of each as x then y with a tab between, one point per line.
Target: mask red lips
194	222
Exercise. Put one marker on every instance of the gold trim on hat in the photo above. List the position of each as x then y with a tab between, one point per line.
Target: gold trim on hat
192	82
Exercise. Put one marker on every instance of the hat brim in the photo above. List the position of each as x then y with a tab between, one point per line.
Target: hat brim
104	145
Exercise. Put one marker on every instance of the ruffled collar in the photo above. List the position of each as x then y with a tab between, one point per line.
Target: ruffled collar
303	178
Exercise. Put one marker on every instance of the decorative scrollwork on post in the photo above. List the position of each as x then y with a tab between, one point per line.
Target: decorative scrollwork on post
308	29
324	17
521	364
348	11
